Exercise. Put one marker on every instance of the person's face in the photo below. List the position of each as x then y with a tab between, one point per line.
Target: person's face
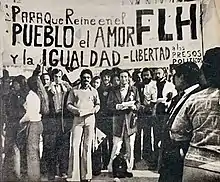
58	77
124	78
46	79
106	79
146	77
159	74
86	79
116	81
178	81
96	83
16	86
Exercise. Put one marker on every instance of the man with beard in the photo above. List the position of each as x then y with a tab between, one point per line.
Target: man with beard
165	91
148	97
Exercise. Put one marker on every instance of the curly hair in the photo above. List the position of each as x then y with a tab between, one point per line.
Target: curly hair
86	71
22	81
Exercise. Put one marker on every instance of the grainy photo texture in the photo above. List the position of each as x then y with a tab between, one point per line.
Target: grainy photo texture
110	90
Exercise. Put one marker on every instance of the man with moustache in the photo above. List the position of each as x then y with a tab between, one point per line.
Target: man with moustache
186	81
165	92
124	103
83	101
198	123
148	98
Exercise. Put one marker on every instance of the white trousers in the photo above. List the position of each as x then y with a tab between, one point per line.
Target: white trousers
80	164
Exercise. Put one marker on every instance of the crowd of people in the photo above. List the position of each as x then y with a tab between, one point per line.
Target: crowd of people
173	117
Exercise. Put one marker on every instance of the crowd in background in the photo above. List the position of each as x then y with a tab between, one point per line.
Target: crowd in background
146	116
58	121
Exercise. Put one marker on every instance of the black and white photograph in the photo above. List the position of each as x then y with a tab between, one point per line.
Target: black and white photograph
110	91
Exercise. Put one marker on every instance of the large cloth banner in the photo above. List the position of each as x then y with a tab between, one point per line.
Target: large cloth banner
72	36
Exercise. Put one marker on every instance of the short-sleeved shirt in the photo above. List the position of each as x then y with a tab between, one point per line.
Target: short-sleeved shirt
83	99
198	120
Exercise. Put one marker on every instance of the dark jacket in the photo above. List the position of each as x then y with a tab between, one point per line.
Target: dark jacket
127	116
170	158
15	104
104	116
15	110
103	96
65	116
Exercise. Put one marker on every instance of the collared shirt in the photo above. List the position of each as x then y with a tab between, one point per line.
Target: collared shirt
124	91
83	99
58	91
150	93
198	120
58	96
190	89
186	92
